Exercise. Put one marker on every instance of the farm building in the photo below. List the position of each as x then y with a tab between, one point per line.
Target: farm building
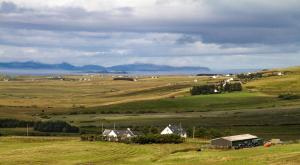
117	135
237	141
173	129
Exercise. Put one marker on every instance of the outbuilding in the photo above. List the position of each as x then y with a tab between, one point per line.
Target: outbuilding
237	141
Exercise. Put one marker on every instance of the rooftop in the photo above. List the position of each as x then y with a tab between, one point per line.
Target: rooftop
239	137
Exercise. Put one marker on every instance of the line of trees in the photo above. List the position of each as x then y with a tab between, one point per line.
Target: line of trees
14	123
55	126
250	76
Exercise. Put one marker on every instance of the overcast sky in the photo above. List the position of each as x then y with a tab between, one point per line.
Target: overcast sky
213	33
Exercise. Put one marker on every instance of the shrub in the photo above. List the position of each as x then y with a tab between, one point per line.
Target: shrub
231	87
156	138
55	126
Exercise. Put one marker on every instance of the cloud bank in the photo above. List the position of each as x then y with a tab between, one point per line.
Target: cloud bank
213	33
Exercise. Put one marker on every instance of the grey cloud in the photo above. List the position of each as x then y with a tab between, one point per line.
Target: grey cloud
211	30
7	7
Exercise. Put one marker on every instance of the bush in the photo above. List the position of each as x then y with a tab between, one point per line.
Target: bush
231	87
13	123
289	96
55	126
156	138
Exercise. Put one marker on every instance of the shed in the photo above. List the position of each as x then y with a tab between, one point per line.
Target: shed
237	141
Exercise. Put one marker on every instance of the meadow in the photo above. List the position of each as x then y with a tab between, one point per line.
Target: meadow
62	150
88	101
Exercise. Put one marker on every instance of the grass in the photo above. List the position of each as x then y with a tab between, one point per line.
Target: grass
49	150
236	100
42	92
150	102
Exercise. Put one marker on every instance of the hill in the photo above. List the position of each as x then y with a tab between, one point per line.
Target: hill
152	67
97	68
62	66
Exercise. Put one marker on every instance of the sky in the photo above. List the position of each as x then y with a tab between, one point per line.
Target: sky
220	34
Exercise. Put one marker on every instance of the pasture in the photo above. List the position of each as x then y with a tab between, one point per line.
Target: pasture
51	150
88	101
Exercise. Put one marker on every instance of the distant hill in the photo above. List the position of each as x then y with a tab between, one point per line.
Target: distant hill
96	68
153	67
62	66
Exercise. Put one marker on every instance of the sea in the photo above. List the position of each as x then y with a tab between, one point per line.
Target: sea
40	72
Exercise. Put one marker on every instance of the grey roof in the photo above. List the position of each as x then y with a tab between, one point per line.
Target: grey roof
176	130
238	137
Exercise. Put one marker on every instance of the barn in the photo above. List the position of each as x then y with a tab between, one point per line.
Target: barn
237	141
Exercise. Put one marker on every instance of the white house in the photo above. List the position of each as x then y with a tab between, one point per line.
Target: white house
279	73
172	129
117	135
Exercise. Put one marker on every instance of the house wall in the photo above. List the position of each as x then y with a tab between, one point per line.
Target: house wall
166	131
221	142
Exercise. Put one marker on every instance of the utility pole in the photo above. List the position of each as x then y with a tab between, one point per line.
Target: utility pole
102	130
27	130
180	129
114	126
194	132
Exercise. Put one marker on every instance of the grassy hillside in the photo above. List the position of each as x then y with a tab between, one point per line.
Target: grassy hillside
155	102
92	91
42	150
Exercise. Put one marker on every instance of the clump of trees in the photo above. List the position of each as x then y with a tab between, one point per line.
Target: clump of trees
14	123
250	76
55	126
231	87
203	89
214	89
157	138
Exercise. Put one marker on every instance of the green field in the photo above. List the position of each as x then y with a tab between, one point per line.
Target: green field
143	104
49	150
154	102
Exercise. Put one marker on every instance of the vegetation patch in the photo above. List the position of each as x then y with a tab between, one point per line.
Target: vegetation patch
157	138
14	123
55	126
289	96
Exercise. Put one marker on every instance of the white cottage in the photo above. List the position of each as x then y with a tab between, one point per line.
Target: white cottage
172	129
117	135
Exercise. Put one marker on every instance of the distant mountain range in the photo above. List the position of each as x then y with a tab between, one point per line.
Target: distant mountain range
152	67
95	68
62	66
